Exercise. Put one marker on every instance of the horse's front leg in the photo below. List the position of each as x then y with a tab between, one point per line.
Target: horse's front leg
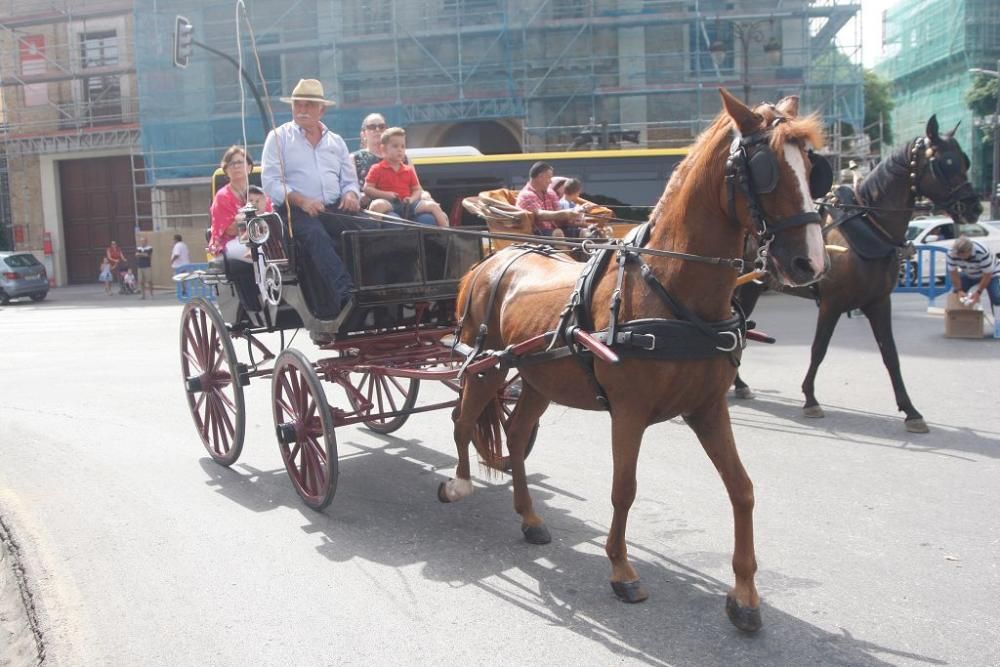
826	322
715	433
879	317
477	392
529	408
626	437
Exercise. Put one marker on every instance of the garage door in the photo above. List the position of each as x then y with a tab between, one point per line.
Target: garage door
97	207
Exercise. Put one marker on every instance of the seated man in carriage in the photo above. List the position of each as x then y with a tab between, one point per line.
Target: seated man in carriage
308	174
538	197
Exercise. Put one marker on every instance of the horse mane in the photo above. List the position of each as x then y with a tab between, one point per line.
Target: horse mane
701	162
802	130
874	186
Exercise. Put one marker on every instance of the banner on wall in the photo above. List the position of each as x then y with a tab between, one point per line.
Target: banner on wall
32	51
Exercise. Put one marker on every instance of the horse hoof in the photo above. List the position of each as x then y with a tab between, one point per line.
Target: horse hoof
442	496
536	534
746	619
813	411
917	425
629	591
743	392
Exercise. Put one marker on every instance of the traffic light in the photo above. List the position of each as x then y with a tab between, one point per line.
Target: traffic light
183	41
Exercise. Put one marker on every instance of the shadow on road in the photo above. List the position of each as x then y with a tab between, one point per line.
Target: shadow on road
862	427
386	512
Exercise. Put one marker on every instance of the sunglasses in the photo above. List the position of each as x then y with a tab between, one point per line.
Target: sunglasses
375	126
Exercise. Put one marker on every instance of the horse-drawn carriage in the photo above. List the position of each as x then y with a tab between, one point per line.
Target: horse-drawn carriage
394	332
645	329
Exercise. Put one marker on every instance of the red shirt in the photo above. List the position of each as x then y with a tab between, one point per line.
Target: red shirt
384	177
225	206
531	200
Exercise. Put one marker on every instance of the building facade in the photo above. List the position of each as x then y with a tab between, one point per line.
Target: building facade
928	47
96	80
70	132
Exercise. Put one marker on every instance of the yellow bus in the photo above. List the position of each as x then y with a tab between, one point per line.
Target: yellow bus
628	181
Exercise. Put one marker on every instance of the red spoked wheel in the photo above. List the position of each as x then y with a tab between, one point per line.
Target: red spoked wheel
375	393
304	426
484	440
212	381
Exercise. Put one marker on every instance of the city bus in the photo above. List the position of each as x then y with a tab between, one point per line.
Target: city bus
628	181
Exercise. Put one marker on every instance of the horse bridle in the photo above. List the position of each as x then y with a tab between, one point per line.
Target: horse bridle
753	168
954	204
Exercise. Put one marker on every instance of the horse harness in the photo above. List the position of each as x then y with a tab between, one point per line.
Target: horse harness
752	167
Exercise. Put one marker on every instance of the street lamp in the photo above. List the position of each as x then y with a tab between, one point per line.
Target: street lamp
995	191
748	32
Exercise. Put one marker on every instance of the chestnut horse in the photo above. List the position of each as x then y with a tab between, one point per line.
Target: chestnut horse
710	203
933	166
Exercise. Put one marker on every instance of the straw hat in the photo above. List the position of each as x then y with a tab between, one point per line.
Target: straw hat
309	90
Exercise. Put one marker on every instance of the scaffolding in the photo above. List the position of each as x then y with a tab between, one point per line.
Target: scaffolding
96	76
929	46
544	70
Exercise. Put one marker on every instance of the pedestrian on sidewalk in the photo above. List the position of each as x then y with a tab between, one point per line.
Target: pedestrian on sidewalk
144	263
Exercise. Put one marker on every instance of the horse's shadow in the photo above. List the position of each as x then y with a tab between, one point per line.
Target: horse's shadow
386	512
861	427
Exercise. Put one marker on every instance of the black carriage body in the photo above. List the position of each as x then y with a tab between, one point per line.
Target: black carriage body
403	277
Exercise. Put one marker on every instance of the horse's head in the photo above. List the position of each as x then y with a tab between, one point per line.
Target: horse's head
772	177
939	171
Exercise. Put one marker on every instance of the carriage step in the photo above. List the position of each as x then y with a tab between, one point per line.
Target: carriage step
243	371
286	433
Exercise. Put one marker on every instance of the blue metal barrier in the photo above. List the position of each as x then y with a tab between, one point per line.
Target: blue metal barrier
920	274
193	287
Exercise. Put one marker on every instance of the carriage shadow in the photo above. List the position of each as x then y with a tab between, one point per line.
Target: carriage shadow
386	512
850	425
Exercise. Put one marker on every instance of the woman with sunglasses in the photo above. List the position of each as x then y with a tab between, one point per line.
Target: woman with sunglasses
371	152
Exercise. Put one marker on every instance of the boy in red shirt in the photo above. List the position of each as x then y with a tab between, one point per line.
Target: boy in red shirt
393	185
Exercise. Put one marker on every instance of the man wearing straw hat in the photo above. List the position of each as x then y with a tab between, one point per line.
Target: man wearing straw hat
307	171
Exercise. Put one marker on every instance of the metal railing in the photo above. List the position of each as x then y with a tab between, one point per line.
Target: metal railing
925	273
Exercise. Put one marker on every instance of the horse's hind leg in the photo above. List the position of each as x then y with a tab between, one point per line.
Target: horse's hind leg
714	431
626	437
477	392
529	408
879	315
747	295
741	389
826	322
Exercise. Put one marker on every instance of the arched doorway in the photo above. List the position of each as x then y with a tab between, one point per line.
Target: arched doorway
490	137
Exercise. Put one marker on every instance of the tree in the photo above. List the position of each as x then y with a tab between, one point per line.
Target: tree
982	99
878	103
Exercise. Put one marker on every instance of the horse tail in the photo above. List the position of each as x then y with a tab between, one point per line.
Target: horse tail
488	436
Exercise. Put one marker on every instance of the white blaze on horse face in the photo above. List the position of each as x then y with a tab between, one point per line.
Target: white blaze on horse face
814	235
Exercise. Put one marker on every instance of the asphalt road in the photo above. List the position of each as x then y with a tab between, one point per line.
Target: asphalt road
876	547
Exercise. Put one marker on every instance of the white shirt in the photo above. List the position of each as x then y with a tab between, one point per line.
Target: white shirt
323	172
180	252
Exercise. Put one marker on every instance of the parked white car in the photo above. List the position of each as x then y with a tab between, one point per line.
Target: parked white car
940	231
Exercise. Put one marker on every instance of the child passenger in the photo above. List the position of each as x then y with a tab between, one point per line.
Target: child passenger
393	184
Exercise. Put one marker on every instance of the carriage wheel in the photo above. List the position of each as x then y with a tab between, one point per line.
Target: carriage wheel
507	399
304	426
385	393
212	381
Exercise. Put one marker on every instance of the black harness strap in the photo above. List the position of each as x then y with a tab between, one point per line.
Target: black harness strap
477	346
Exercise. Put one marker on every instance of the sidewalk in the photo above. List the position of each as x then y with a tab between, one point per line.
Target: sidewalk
93	295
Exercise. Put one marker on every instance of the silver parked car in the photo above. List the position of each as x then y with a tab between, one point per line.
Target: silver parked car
21	274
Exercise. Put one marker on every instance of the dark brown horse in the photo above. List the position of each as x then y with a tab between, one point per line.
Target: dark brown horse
711	202
933	166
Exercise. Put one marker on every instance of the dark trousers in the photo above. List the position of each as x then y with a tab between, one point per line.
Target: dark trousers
313	238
